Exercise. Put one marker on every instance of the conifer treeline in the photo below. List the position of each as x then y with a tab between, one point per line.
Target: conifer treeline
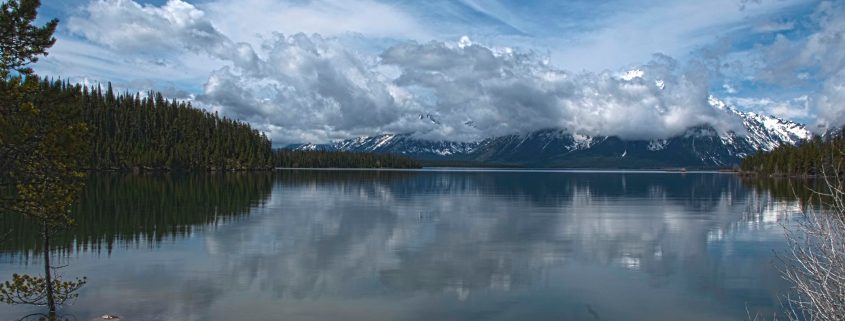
149	132
130	131
334	159
809	158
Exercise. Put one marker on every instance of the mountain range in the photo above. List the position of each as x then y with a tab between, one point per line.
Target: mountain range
698	147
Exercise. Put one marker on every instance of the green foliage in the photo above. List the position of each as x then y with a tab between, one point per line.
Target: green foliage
40	138
25	289
43	148
21	42
42	141
335	159
807	159
153	133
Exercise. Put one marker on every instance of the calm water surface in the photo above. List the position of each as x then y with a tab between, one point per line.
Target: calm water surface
417	245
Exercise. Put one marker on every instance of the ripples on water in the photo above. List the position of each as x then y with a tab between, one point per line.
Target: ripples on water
419	245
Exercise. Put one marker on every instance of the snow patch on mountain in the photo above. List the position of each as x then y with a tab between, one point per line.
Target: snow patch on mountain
705	143
581	142
657	144
762	132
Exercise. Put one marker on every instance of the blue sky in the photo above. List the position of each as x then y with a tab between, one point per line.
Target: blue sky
318	70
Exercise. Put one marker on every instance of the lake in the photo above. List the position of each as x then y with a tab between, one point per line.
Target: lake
417	245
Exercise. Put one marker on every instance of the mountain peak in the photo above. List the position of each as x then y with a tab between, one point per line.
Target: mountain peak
701	146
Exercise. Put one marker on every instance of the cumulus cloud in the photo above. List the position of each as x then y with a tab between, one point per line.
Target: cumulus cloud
157	32
305	87
503	91
308	88
127	25
311	88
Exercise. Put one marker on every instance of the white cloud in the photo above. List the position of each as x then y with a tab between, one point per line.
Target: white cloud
313	89
128	26
505	91
310	88
774	26
674	28
817	60
316	88
247	20
830	103
79	60
821	53
307	89
795	108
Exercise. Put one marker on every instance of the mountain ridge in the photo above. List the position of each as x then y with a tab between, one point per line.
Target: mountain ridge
698	147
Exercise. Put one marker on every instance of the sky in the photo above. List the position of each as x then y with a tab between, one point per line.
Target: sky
322	70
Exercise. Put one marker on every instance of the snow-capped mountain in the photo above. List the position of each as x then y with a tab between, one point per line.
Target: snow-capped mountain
763	132
404	144
699	147
832	132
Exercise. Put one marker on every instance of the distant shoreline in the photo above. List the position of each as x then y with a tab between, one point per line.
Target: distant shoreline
434	169
514	170
777	175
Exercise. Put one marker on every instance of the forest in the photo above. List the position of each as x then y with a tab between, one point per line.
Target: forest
146	132
818	156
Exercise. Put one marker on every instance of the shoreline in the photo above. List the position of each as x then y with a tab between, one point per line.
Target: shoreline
439	168
515	170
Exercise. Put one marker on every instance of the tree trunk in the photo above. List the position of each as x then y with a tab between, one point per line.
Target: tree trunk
48	275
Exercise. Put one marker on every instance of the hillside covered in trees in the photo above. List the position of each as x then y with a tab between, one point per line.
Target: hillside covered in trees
149	132
335	159
807	159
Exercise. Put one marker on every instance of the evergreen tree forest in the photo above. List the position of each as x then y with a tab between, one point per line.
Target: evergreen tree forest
133	132
335	159
148	132
815	157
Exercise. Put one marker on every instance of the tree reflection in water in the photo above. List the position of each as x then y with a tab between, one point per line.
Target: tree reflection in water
382	245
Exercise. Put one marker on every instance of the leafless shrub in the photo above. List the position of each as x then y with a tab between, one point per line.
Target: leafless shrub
814	263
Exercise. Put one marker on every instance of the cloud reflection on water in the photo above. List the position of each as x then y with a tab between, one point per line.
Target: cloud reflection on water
462	246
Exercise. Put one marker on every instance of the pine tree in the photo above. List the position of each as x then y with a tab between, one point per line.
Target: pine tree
41	141
807	159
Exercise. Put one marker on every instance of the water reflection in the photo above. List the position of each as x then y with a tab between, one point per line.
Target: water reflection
145	209
455	246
